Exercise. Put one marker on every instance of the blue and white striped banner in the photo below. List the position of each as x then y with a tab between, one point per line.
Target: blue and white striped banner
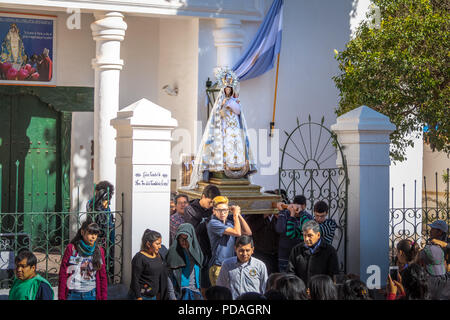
263	51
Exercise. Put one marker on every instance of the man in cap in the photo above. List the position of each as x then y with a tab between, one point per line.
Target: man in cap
438	233
432	258
438	236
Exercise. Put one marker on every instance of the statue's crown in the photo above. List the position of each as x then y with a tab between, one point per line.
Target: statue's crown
226	78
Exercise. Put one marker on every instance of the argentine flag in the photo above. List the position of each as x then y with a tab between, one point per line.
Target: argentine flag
263	51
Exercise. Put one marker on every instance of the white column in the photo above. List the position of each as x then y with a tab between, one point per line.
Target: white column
143	161
364	135
108	31
228	39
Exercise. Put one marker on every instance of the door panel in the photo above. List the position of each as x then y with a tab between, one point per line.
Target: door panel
5	151
35	140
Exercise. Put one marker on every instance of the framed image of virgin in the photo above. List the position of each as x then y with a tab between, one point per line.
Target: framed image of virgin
27	49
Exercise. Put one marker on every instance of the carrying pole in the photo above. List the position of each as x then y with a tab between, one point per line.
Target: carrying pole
272	124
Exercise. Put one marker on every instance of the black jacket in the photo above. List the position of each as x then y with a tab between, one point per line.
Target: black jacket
305	265
194	213
264	234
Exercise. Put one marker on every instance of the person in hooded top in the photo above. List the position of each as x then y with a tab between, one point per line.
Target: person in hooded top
184	261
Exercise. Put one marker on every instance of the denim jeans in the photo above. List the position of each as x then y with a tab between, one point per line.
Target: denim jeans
188	294
77	295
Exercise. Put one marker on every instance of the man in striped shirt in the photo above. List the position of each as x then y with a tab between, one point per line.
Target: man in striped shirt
297	213
327	226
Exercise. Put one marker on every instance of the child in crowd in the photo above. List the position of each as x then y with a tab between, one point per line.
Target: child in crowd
82	275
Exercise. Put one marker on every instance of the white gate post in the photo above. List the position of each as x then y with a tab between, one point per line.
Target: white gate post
143	162
364	136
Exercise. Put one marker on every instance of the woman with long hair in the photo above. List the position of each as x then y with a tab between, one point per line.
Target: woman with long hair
354	289
321	287
407	251
291	287
149	276
82	275
99	206
412	284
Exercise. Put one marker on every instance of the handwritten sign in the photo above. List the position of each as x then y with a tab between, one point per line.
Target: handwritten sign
151	178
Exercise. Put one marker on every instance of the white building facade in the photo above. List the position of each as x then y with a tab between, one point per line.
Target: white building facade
179	43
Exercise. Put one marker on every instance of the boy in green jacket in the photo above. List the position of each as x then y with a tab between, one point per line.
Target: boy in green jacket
28	285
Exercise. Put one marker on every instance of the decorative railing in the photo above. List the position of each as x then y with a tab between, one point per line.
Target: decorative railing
43	223
308	167
412	223
48	237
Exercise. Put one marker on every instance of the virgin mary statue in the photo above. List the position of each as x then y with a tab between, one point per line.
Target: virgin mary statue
225	146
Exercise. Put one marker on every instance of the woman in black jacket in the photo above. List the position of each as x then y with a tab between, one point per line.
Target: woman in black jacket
184	261
149	279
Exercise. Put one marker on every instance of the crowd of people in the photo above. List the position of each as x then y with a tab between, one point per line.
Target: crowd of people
217	253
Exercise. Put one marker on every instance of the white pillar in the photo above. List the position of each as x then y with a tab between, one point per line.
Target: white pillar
228	39
143	162
364	135
108	31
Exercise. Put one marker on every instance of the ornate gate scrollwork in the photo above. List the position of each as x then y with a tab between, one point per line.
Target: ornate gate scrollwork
308	167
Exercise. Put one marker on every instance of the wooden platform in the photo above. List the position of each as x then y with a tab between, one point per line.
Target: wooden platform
240	192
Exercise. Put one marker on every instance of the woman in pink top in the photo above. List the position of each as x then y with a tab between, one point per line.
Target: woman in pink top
82	275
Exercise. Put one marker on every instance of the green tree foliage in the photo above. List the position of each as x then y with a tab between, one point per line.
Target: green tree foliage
401	69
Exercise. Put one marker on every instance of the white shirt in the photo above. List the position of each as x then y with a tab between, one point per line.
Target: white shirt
241	278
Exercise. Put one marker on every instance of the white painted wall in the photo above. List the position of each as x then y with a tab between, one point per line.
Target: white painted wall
435	162
405	191
405	173
311	30
140	53
74	49
358	14
178	68
80	166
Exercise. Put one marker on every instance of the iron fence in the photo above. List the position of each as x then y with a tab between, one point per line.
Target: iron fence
38	226
413	223
49	239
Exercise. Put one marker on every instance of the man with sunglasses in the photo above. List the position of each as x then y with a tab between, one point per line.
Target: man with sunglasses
222	233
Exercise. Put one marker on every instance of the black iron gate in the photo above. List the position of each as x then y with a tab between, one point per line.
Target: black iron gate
308	167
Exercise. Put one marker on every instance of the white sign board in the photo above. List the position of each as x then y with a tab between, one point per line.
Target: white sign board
151	178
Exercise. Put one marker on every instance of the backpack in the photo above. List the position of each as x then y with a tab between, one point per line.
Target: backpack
203	239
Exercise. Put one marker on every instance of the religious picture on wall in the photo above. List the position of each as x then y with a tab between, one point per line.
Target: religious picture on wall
27	51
